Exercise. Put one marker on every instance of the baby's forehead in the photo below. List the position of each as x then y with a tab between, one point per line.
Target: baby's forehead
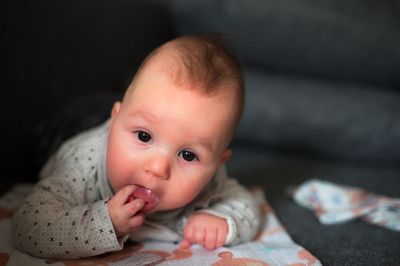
178	67
170	70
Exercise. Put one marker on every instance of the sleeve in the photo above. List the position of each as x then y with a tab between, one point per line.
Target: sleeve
64	216
238	206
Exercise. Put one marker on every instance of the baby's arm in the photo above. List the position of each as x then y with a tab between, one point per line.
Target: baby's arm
53	224
237	208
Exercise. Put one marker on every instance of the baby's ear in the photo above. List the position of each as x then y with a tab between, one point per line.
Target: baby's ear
226	155
115	109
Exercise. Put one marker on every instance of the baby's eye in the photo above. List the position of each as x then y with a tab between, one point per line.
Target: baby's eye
188	156
143	136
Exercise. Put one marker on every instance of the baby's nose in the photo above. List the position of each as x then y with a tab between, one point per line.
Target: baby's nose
158	165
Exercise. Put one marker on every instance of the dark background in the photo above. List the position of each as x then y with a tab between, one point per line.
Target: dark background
56	52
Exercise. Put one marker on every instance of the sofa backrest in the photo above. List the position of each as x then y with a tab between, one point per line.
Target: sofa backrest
356	41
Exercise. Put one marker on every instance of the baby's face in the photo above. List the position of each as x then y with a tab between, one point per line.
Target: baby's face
168	139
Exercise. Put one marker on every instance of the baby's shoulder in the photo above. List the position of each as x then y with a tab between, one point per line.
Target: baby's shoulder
82	151
87	141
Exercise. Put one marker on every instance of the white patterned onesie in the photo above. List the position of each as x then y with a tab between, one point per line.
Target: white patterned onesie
66	215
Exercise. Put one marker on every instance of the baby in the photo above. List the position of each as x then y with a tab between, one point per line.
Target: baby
154	170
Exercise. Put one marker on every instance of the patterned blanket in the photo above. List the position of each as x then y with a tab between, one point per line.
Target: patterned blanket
272	246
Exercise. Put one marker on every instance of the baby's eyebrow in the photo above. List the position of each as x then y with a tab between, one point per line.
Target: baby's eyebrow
142	115
208	146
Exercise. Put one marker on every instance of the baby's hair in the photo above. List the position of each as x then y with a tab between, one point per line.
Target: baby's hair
202	62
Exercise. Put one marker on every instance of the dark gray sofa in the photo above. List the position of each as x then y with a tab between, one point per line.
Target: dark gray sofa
322	80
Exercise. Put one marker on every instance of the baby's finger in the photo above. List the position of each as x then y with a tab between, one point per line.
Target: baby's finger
199	235
187	237
133	207
121	197
188	233
210	239
221	237
185	244
136	221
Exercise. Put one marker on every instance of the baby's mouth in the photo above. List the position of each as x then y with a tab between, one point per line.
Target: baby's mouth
147	195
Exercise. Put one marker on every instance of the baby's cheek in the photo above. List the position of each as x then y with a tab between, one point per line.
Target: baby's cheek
185	196
119	175
112	171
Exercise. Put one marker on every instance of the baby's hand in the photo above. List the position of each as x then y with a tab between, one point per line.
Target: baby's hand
124	213
206	230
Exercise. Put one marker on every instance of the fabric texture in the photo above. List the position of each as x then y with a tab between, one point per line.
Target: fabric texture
337	204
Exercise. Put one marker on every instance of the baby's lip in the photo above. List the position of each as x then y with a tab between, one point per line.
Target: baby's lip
147	195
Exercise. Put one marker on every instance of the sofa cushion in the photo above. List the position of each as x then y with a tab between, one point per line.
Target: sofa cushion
328	119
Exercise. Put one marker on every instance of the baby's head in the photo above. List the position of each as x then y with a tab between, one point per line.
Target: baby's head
172	129
203	63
